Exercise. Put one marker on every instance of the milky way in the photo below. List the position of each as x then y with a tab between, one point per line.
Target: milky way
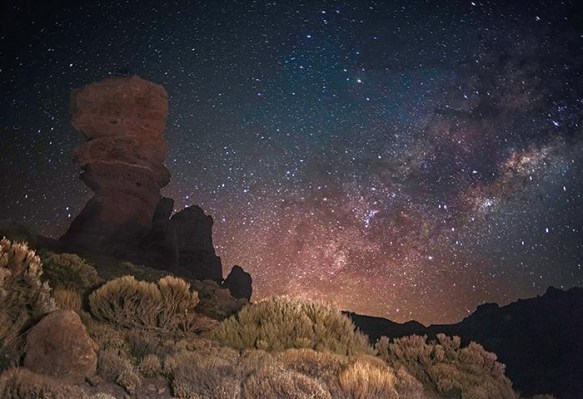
407	159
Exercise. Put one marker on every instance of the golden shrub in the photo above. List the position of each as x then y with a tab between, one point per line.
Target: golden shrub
323	365
275	383
127	302
280	324
179	303
447	368
168	304
365	379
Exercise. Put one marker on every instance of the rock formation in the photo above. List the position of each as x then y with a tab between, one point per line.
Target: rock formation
59	346
182	244
123	120
239	283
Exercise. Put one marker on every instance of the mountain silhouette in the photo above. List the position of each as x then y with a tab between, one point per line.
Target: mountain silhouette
538	339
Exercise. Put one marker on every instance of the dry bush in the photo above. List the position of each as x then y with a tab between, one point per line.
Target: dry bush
179	303
127	302
323	365
280	324
69	271
150	365
117	368
107	337
24	298
279	383
67	298
470	372
365	379
20	383
202	373
141	343
166	305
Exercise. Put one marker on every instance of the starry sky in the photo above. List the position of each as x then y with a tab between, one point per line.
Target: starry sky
405	159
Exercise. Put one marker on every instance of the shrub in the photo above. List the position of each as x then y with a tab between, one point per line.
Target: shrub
127	302
24	298
323	365
469	372
202	373
116	367
363	376
275	383
151	366
20	383
67	298
141	343
179	303
279	324
168	304
364	379
69	271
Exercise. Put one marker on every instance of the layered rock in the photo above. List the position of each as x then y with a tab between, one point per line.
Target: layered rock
59	346
123	120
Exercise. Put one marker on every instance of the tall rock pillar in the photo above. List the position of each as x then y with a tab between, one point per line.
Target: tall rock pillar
123	120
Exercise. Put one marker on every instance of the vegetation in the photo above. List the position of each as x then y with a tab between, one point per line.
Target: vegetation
280	324
470	372
168	304
24	298
68	271
20	383
281	348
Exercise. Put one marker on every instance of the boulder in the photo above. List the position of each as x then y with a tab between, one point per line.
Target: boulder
239	283
60	347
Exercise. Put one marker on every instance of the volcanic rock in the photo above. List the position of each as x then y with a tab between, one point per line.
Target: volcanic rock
182	244
59	346
123	120
239	283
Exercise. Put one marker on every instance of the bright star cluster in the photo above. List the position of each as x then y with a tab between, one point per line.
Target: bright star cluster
407	159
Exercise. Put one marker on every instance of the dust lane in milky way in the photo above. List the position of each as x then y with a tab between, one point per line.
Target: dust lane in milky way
403	159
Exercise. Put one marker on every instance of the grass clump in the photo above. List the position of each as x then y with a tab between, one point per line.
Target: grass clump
24	298
454	372
167	305
280	324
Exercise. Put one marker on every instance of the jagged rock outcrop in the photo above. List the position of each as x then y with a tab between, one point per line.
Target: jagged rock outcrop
123	120
59	346
182	244
239	283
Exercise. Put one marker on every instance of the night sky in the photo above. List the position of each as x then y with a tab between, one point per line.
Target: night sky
407	159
